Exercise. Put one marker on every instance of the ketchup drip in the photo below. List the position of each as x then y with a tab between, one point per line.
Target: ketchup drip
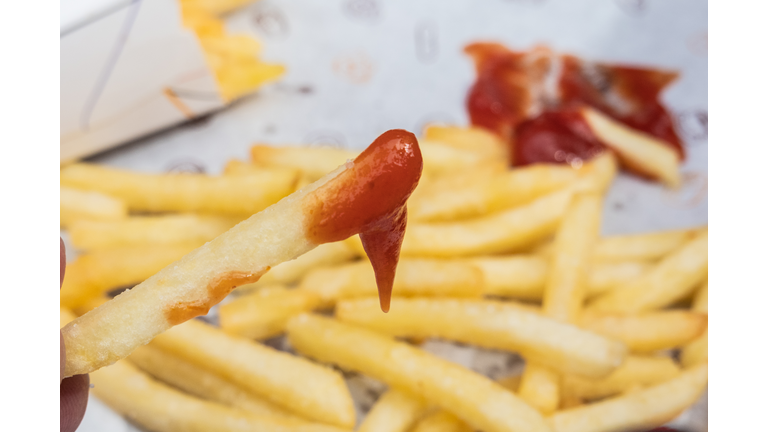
369	198
555	137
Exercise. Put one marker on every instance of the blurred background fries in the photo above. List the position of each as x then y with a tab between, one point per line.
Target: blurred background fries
568	296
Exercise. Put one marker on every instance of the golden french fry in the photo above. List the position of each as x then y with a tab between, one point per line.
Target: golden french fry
701	301
606	276
395	411
264	313
504	231
314	162
641	247
670	280
101	271
441	159
480	193
289	272
238	167
441	421
639	151
231	46
540	388
523	276
565	288
697	351
76	205
635	371
639	410
415	277
184	192
200	382
477	400
492	324
148	230
240	76
305	388
158	407
471	138
650	331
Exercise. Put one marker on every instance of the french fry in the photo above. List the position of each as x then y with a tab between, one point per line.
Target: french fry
471	138
415	277
523	276
202	383
235	195
491	324
328	254
76	205
441	159
395	411
314	162
641	247
157	407
637	150
504	231
670	280
296	384
604	277
90	305
540	388
696	352
564	291
650	331
477	400
264	313
643	409
441	421
635	371
480	193
101	271
65	317
148	230
214	7
330	210
238	167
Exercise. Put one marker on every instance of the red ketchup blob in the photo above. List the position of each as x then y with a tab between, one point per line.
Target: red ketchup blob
510	97
369	198
555	137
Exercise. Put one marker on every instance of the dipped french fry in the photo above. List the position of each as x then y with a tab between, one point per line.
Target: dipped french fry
673	278
149	230
184	192
649	331
637	150
160	408
415	278
480	402
294	383
639	410
83	205
200	382
480	193
264	313
491	324
329	210
441	421
641	247
328	254
96	273
635	371
504	231
394	411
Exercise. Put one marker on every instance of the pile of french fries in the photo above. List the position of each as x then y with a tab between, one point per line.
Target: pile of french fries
613	330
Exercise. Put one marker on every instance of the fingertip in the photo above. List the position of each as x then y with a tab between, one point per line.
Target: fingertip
74	400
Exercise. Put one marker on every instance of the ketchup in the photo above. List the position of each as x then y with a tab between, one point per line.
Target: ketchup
369	198
510	97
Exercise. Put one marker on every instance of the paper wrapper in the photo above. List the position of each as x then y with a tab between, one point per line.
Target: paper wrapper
359	67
